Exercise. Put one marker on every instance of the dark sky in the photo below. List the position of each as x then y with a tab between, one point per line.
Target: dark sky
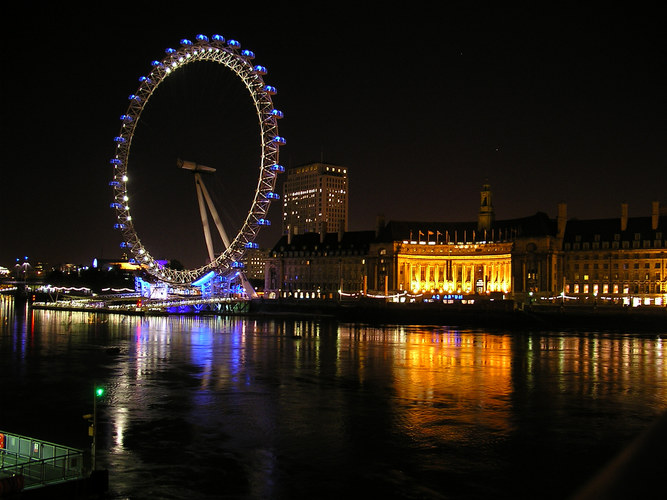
421	104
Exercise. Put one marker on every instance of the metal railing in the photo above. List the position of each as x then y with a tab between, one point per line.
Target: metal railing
38	462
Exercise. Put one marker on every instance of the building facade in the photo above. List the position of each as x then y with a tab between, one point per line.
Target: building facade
315	265
620	260
531	258
254	262
315	199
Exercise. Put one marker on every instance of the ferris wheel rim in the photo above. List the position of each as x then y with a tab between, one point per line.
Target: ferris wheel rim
229	54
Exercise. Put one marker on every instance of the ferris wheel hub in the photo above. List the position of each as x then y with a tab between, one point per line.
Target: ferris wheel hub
194	167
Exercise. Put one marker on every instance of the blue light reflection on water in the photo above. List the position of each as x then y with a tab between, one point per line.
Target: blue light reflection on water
212	407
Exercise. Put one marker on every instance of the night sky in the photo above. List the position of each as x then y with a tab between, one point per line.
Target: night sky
422	105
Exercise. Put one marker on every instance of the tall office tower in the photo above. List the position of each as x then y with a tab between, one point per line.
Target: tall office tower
315	199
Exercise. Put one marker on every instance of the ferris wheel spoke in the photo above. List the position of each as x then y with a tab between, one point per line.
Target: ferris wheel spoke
214	213
204	219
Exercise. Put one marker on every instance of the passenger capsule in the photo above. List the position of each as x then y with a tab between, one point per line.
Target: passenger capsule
264	222
126	118
277	113
238	265
279	140
169	51
260	70
116	161
114	183
248	54
120	140
186	42
273	196
251	244
234	44
218	38
202	38
277	168
135	97
269	89
144	79
157	64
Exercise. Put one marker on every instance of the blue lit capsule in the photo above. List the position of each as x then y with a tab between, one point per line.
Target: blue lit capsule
114	183
169	51
277	113
124	245
144	79
116	205
251	244
264	222
119	140
238	265
279	140
218	38
273	196
271	90
202	38
116	161
157	64
277	168
135	97
234	44
260	70
249	54
185	41
126	118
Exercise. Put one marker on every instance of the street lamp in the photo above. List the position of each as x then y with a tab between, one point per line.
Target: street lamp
98	393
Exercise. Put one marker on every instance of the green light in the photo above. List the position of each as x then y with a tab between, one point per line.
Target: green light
99	391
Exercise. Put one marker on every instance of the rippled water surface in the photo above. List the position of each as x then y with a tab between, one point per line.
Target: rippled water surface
220	407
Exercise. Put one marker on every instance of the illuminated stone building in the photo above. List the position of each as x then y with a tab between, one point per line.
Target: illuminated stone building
315	199
532	258
316	265
516	256
619	260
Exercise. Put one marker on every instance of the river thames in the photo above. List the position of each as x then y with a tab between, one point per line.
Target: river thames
260	408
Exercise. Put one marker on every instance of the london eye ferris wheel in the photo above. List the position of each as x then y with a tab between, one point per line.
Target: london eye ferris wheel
230	55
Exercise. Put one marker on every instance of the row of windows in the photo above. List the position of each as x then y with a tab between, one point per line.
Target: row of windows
616	276
614	256
616	265
617	237
605	288
657	243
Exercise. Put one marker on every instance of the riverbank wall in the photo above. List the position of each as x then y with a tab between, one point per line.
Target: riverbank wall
496	314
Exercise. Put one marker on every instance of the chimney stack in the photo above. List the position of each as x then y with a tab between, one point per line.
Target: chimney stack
655	214
624	216
323	231
562	219
379	225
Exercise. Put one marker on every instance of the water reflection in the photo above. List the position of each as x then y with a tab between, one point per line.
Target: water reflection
294	408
